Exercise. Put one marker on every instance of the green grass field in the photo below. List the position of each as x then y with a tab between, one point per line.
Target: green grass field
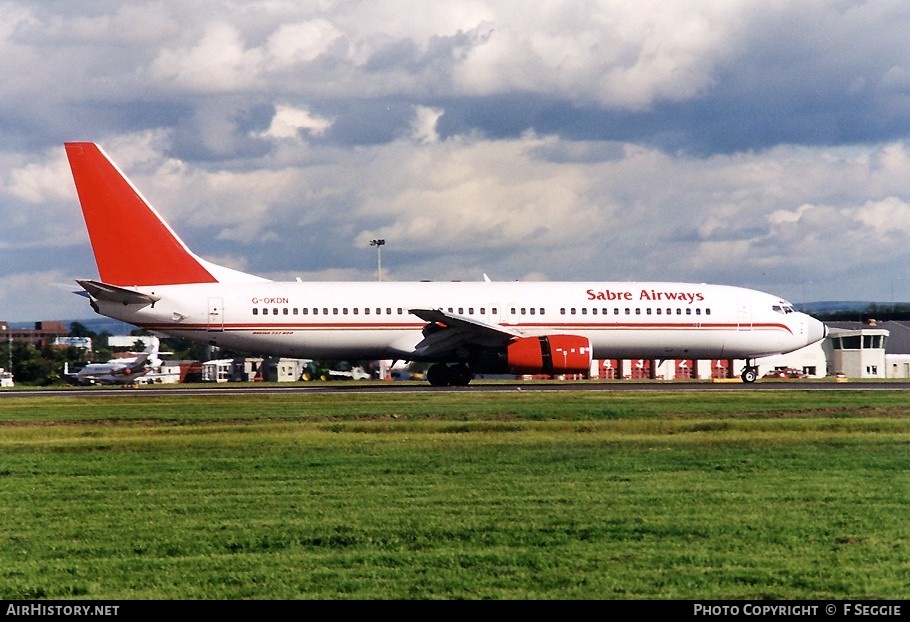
521	495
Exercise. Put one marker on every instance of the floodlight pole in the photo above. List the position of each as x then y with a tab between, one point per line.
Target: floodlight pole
378	244
9	344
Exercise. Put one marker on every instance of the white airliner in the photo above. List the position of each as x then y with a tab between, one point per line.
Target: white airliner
118	371
149	278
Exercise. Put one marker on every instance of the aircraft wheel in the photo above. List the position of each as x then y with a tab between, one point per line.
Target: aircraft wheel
460	376
749	375
438	375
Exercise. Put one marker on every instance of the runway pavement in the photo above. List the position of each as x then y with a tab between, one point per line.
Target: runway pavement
474	387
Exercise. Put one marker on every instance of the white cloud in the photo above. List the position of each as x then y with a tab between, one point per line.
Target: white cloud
612	53
424	124
302	42
41	182
288	121
888	217
218	62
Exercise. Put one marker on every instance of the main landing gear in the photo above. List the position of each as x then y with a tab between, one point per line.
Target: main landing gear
442	375
750	372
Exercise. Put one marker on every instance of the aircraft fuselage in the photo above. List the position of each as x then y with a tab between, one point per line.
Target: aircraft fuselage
372	319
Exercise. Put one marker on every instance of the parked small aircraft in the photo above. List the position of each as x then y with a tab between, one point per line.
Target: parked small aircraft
118	371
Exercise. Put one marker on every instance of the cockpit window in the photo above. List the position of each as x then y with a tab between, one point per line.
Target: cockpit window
784	308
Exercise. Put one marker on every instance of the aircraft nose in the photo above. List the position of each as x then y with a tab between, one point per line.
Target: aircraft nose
815	330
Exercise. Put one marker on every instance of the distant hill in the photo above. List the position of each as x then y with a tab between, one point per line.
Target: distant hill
857	311
837	306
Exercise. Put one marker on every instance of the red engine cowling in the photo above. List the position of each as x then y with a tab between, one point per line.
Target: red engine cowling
549	354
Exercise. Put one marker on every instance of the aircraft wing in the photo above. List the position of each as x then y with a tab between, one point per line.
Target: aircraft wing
446	332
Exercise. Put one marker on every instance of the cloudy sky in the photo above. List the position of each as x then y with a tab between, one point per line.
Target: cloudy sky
746	142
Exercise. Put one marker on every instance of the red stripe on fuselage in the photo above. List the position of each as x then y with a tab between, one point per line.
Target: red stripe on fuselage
164	327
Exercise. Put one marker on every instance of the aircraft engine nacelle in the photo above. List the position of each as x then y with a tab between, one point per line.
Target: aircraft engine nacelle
550	354
547	354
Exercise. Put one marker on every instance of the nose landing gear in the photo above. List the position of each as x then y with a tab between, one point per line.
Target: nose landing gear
750	372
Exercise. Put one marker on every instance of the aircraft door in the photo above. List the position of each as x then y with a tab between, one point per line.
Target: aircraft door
215	315
743	314
510	314
497	315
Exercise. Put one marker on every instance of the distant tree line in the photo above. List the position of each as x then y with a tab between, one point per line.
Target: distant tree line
44	366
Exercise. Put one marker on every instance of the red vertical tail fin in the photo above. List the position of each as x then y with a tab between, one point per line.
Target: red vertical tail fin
131	242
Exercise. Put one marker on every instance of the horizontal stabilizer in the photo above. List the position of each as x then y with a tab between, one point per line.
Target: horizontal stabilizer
113	293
